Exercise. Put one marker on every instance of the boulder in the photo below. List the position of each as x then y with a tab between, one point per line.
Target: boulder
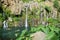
38	36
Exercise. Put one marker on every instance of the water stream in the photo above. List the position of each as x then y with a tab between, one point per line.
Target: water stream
5	25
26	20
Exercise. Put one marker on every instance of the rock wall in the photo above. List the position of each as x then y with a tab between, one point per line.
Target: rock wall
14	5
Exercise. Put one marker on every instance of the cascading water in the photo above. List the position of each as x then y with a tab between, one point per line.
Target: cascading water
5	25
26	22
41	13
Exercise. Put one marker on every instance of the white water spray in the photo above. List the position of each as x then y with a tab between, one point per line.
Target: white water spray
26	20
5	25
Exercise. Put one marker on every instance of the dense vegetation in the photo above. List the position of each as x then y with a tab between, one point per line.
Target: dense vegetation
43	18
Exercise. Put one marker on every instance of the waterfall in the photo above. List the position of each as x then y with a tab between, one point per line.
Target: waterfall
5	25
41	13
26	23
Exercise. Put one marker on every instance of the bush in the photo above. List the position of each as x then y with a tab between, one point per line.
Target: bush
25	0
1	17
1	10
48	9
39	0
57	5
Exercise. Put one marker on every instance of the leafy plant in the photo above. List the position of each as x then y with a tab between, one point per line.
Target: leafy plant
1	18
25	0
48	9
1	10
57	5
22	35
39	0
6	11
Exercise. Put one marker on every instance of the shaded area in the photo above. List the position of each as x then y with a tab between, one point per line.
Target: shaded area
1	10
12	33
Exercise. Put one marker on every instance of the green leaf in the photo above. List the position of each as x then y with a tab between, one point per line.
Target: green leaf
50	35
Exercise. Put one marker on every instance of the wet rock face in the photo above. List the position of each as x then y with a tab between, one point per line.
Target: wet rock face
16	5
13	5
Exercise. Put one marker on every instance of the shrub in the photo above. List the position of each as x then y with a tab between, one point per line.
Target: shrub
48	9
1	10
1	17
57	5
25	0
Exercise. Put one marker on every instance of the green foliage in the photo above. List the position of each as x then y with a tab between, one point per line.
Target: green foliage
25	0
7	11
16	18
48	9
52	20
21	36
39	0
33	0
57	5
59	9
1	10
51	31
1	18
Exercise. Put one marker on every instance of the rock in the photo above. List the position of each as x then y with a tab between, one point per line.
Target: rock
14	5
38	36
9	18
